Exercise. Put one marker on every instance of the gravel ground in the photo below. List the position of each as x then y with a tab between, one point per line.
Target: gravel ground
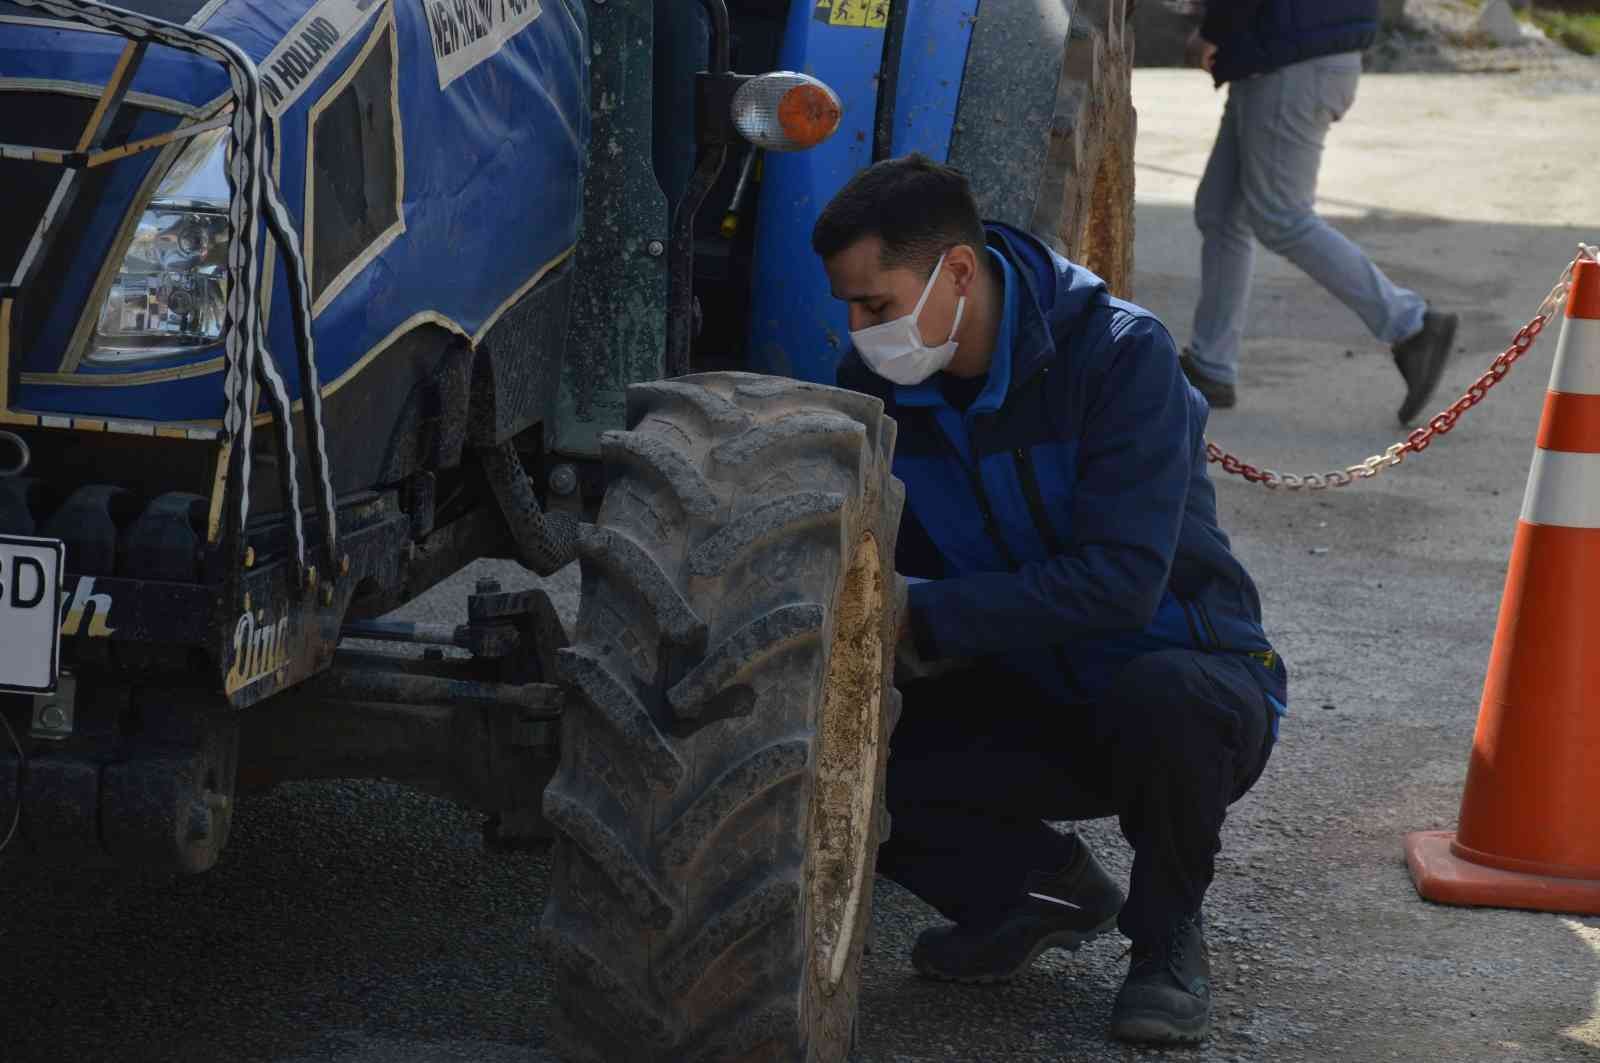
360	923
1440	37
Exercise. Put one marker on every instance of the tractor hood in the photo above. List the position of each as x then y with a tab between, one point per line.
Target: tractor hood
427	113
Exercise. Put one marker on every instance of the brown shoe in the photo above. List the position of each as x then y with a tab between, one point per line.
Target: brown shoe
1421	359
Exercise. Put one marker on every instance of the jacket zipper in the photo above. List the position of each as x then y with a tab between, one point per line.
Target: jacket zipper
1205	618
1030	491
1041	522
1188	618
990	525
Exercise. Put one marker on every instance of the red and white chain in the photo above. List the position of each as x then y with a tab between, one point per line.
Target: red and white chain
1438	425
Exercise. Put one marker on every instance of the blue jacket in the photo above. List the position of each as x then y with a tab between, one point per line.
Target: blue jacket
1259	36
1064	521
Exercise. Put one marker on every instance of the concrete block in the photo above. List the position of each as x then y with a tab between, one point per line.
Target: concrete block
1497	21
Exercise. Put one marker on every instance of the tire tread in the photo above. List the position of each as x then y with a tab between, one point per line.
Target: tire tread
693	630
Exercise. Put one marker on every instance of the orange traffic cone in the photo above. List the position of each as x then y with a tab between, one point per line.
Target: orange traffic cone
1529	836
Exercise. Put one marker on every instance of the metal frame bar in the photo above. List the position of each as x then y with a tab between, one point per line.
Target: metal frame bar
680	249
160	140
894	39
7	298
100	119
53	156
79	160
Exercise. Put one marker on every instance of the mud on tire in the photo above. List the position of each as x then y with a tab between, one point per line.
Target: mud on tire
1087	200
719	803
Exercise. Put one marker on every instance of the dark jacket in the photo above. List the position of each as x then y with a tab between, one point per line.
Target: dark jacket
1259	36
1064	521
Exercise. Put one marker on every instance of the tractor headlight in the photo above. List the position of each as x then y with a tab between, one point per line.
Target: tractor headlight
169	294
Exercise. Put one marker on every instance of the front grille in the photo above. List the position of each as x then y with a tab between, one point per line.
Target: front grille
51	120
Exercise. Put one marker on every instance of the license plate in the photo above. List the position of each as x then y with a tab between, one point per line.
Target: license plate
30	613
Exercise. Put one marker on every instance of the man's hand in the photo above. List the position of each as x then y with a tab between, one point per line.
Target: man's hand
1200	52
909	665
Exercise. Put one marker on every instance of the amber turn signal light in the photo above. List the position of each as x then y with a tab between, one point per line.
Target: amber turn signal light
786	111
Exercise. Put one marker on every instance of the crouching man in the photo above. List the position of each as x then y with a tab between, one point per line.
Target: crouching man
1062	546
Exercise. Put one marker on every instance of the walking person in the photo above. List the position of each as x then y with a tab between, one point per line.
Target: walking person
1291	67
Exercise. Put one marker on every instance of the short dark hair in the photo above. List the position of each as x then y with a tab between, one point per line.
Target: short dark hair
917	207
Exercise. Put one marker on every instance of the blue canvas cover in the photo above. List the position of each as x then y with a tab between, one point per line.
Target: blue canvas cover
492	104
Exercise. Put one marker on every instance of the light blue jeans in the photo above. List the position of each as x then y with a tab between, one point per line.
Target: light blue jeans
1261	183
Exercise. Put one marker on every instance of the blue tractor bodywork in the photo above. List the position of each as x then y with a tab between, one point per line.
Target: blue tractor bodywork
796	328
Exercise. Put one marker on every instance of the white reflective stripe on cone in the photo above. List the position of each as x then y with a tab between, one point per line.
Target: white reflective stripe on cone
1563	490
1577	367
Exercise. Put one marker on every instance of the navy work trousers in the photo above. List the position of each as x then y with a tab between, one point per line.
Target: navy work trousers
982	759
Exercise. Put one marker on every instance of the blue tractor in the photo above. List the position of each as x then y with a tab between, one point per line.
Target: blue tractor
305	306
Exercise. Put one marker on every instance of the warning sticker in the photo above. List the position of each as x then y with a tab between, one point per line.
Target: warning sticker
308	47
466	32
867	14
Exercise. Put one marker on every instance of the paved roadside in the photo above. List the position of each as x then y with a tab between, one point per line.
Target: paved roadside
362	924
1474	191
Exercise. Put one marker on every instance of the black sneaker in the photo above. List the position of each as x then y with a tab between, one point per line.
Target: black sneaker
1219	395
1166	998
1060	910
1421	360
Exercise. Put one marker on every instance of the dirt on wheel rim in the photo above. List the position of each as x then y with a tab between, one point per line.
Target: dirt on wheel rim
842	806
1107	239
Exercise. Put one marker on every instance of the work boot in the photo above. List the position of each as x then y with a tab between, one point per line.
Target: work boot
1421	360
1219	395
1059	910
1166	998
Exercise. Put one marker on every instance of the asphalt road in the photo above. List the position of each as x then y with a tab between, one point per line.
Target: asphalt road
360	923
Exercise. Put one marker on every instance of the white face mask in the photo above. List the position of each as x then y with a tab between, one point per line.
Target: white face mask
894	349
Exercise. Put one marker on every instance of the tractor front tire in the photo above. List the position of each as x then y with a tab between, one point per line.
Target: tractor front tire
720	799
